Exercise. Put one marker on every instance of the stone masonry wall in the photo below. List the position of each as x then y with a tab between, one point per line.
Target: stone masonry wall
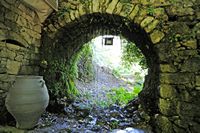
19	45
173	29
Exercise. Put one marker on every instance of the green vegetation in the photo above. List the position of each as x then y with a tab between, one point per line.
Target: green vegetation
150	10
122	96
84	64
132	54
60	72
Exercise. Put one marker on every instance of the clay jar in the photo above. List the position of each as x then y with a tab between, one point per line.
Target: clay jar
27	99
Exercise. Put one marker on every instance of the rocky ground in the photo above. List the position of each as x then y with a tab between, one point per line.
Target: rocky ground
79	118
85	116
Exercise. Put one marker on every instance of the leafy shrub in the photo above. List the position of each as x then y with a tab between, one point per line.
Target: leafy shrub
122	96
132	54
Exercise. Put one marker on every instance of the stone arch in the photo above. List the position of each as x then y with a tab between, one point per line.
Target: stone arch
172	28
70	27
135	15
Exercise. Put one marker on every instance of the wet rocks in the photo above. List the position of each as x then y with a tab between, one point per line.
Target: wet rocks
130	130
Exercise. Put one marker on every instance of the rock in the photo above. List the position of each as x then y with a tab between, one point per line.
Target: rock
157	36
13	67
167	68
177	78
164	124
115	107
114	120
69	110
146	21
112	6
114	113
81	106
134	12
167	91
179	10
190	43
198	80
191	65
124	124
151	26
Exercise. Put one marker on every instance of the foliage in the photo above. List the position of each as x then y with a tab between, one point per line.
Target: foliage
150	10
132	54
85	66
60	79
122	96
114	124
60	73
101	103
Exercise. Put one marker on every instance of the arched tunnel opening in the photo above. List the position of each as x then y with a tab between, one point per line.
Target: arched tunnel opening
62	47
110	70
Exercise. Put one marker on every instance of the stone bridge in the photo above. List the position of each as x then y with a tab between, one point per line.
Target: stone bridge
166	31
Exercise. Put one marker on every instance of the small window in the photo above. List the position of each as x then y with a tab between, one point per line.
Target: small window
108	41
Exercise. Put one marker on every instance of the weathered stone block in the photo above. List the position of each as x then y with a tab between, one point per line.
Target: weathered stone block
159	12
37	28
11	16
189	109
5	4
7	54
72	15
167	68
12	46
19	57
4	86
157	36
185	96
11	1
52	28
22	21
190	43
167	91
13	67
3	77
66	17
146	21
140	16
81	9
95	5
179	10
134	12
191	65
197	88
164	124
3	70
112	6
177	78
198	80
3	26
165	106
126	9
118	8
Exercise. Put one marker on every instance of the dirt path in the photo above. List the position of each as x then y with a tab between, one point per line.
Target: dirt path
103	82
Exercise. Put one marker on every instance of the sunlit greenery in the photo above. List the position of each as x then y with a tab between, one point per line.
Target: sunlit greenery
122	96
132	54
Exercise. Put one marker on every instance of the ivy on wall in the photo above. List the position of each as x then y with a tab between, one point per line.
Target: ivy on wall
60	70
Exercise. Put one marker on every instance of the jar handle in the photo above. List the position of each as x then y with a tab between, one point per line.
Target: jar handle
42	82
